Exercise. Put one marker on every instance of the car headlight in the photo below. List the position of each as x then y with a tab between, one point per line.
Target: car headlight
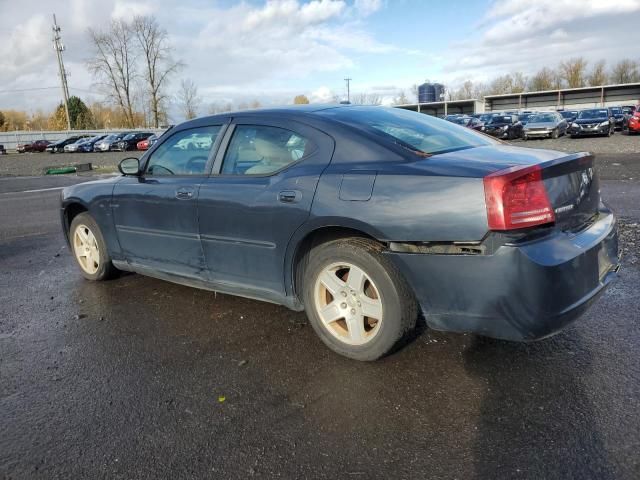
604	124
506	127
575	125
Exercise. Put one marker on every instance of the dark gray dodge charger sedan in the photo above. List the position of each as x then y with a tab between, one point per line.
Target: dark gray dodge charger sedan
361	216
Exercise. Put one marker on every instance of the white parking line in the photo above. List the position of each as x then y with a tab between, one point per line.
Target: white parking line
34	191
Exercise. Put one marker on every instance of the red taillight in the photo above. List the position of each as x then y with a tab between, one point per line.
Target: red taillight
516	198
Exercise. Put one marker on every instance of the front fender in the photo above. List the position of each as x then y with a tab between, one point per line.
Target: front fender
94	197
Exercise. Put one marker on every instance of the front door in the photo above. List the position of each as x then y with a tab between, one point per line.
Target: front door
265	176
155	214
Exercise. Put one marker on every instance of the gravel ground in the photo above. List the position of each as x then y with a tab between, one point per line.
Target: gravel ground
26	164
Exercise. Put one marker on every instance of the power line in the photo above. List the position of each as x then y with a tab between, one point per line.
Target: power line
17	90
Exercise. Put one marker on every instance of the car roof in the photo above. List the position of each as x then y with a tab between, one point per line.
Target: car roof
282	111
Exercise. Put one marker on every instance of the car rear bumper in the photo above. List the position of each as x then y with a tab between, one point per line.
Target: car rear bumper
521	292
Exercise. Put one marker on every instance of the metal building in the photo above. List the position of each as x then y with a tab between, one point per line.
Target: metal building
440	109
566	98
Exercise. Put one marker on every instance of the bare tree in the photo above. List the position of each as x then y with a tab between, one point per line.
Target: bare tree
401	99
625	71
542	80
155	49
519	82
598	75
366	99
573	72
188	99
114	65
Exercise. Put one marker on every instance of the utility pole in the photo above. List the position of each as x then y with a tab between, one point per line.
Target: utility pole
348	80
59	48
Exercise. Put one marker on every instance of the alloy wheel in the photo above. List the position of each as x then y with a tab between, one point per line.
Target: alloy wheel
85	248
348	303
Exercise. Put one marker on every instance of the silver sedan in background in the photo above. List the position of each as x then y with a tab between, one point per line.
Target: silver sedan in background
545	124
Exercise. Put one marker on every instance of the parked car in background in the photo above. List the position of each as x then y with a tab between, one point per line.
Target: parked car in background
629	109
3	151
108	143
58	147
503	126
592	121
88	145
469	122
73	147
37	146
633	123
524	117
569	115
363	217
130	141
147	143
619	117
545	124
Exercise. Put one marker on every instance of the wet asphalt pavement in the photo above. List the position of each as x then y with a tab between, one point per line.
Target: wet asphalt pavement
139	378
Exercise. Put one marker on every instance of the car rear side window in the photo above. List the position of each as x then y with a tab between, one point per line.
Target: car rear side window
412	130
184	153
263	150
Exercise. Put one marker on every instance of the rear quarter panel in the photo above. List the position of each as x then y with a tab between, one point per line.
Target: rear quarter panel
405	205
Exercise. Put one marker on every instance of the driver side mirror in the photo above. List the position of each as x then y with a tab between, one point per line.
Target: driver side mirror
129	166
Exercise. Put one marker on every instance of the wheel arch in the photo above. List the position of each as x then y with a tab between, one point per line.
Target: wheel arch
70	210
315	233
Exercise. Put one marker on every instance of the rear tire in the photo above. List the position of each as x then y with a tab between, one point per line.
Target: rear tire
89	249
356	299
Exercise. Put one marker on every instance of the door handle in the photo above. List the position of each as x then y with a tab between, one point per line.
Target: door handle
289	196
184	194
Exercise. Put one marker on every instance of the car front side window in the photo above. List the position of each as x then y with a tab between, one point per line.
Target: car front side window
184	153
263	150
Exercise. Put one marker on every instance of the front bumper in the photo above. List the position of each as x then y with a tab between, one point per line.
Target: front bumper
538	133
497	132
523	291
589	131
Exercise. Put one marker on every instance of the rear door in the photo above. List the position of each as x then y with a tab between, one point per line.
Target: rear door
264	180
156	213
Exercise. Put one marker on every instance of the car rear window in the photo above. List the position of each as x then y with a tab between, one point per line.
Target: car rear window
412	130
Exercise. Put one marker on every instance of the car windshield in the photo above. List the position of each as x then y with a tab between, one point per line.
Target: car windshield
525	117
567	114
485	117
594	113
541	118
461	120
411	130
500	119
131	136
616	110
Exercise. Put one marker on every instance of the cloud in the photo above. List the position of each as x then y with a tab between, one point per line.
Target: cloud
521	35
129	9
321	95
368	7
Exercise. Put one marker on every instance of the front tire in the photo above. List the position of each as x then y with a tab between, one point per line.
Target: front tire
89	249
555	134
356	300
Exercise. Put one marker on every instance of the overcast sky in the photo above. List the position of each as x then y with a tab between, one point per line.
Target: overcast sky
271	51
